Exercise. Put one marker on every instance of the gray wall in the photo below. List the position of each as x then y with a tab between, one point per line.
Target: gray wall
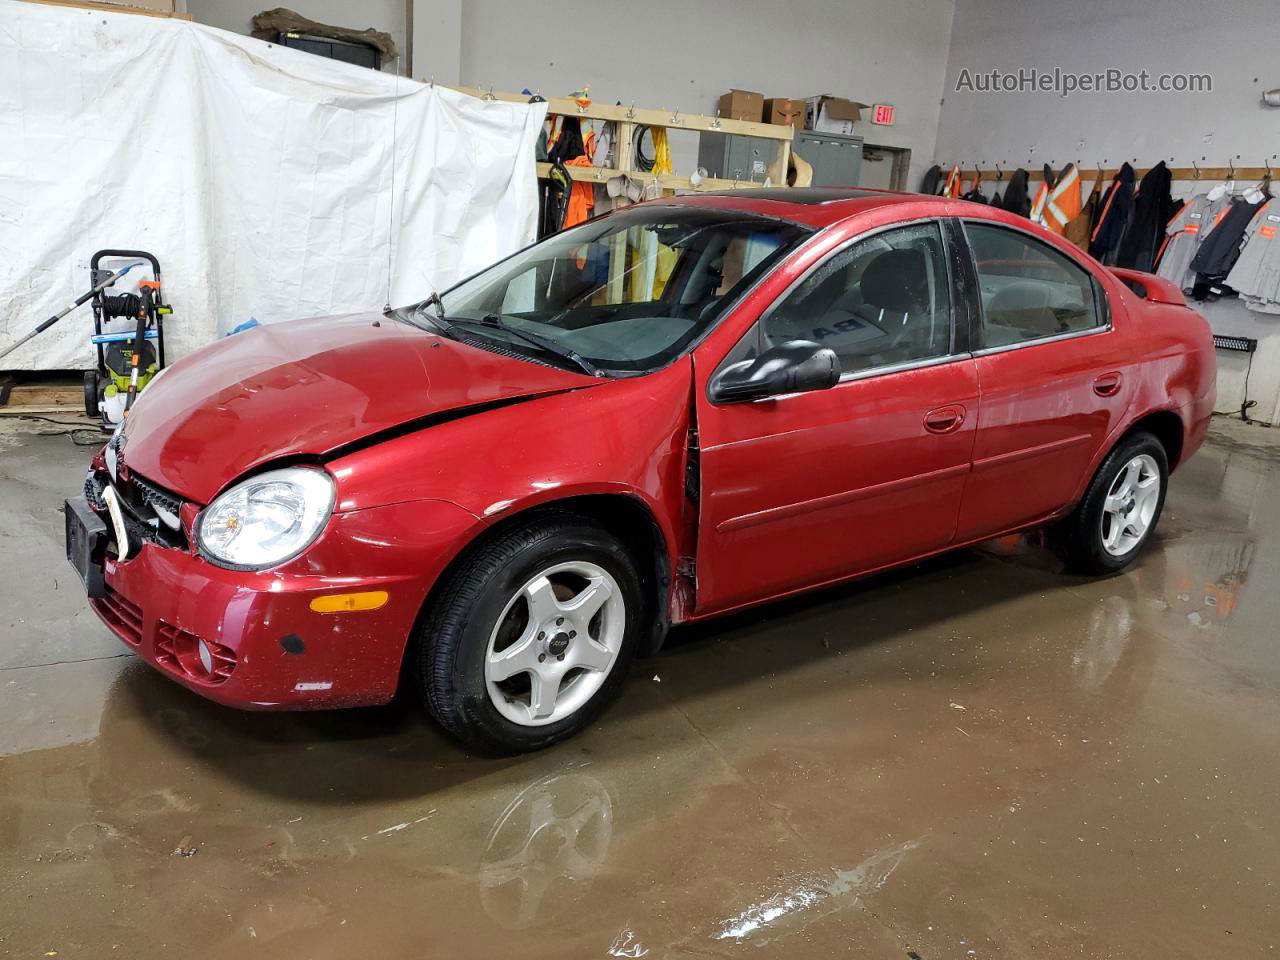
235	15
685	53
1234	43
669	53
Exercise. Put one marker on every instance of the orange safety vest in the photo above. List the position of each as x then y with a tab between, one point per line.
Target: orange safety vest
952	186
1059	203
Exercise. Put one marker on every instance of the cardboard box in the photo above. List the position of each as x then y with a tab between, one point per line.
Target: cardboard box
785	111
828	114
742	105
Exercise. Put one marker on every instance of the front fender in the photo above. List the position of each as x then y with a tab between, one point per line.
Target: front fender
626	436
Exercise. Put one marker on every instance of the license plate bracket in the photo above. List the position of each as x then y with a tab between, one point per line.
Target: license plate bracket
86	533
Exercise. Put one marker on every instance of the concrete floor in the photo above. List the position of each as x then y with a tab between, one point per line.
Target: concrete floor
980	757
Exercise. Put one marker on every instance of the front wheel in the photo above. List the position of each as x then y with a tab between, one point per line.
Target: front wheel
531	636
1120	508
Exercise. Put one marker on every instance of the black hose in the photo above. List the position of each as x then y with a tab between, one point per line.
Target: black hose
121	305
645	164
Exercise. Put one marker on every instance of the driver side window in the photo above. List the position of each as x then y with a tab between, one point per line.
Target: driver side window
884	300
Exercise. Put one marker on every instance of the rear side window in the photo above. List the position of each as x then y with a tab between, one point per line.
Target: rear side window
884	300
1029	290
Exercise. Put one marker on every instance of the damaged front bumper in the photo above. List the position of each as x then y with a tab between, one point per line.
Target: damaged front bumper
253	639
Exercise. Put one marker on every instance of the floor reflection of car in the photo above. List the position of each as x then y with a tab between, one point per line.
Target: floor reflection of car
686	407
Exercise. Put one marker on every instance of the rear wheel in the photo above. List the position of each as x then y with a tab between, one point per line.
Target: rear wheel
1120	509
91	394
531	636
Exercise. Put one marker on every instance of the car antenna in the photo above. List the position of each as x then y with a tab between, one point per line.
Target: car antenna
391	213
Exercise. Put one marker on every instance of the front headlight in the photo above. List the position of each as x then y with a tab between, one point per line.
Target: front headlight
266	519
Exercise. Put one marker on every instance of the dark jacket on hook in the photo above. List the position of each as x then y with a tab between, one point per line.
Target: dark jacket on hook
1015	195
1152	208
932	180
1220	250
1117	209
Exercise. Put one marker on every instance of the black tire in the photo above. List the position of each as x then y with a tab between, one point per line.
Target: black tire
1079	537
91	394
454	638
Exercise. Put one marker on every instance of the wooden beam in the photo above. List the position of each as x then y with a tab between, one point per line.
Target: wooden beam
671	119
1178	173
114	8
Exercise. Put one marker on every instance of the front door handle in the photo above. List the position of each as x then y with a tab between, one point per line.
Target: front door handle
1107	385
946	419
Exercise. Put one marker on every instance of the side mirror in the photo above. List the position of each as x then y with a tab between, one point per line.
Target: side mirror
796	366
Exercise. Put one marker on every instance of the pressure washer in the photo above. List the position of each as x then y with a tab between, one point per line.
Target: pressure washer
127	358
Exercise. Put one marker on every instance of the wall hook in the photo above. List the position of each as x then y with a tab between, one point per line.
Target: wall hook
1196	169
675	117
631	111
489	95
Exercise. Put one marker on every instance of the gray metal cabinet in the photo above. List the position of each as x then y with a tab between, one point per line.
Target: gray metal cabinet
736	157
836	159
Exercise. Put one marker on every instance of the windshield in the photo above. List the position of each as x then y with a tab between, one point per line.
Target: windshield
628	292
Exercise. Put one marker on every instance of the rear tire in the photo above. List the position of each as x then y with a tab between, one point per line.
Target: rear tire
1120	508
91	408
531	635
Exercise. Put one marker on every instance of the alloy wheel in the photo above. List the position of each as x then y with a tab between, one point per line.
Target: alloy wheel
1130	507
555	643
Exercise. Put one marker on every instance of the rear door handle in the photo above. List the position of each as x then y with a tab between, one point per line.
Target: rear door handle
944	419
1107	385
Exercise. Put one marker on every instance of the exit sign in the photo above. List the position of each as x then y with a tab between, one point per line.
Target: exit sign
883	114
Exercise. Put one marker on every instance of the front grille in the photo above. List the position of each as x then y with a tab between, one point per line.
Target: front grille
179	651
122	614
93	492
154	496
150	512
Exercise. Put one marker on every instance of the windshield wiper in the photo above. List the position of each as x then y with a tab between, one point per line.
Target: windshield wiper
448	326
550	346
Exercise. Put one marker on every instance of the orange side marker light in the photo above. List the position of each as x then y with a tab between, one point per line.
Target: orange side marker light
349	602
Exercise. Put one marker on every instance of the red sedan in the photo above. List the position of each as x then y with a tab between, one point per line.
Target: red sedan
503	495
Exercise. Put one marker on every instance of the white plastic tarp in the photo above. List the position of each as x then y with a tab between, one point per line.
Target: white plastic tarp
270	183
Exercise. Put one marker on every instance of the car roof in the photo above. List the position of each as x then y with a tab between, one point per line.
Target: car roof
820	207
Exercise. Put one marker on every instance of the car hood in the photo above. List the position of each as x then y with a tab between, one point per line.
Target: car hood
307	388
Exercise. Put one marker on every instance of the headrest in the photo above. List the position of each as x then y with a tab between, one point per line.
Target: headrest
895	281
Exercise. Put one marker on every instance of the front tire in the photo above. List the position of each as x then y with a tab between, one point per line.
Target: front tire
1120	508
531	635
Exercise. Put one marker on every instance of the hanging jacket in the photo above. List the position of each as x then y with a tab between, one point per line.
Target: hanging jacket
1117	208
1187	229
1015	195
932	178
1220	250
1256	274
1079	227
1058	200
1042	195
1152	207
951	186
572	149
